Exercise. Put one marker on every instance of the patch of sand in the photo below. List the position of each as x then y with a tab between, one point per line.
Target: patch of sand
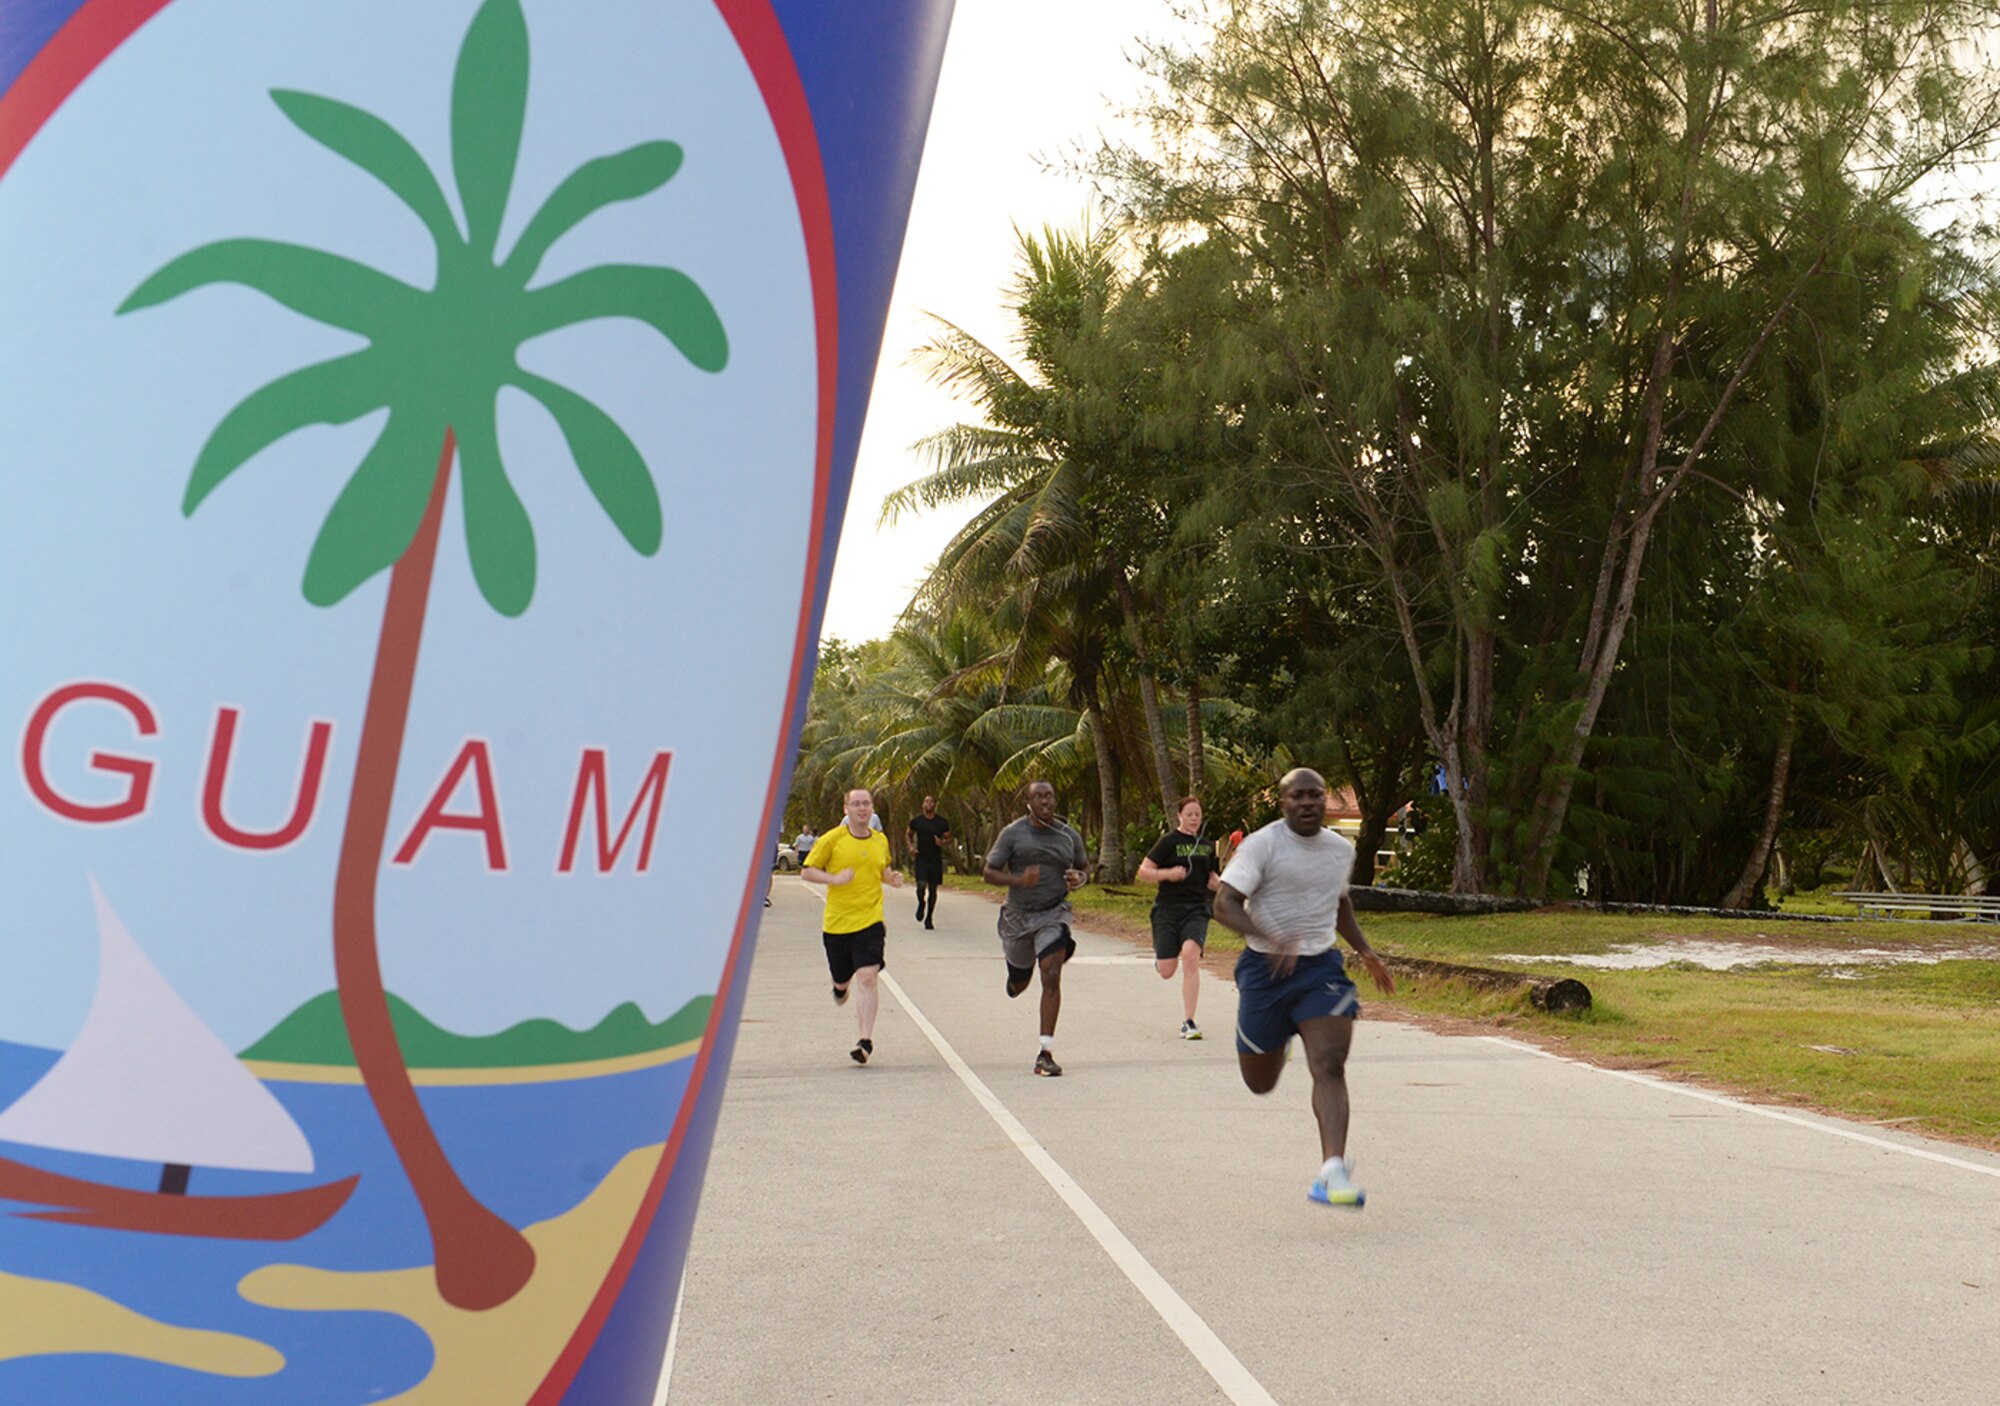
1722	956
499	1356
44	1318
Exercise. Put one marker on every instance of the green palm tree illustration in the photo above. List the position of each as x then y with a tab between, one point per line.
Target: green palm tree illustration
437	360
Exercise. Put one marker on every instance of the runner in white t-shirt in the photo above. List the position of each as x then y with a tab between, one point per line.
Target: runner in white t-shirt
1285	890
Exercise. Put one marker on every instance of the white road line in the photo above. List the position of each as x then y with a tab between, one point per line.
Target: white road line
1776	1115
1216	1359
673	1341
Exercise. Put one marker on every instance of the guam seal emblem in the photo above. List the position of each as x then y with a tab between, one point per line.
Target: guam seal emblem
422	431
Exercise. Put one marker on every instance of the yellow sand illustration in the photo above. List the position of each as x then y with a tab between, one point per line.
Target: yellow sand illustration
498	1357
281	1072
42	1318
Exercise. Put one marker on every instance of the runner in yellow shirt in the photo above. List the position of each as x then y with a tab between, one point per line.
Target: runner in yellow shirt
852	860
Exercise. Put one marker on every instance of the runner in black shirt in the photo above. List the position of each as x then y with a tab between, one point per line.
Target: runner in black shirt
927	835
1183	865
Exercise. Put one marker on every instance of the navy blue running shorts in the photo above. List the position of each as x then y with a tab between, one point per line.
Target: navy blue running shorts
1269	1011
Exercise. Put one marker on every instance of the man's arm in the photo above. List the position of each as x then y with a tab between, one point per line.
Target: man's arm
1232	914
1349	927
1007	879
812	866
1079	869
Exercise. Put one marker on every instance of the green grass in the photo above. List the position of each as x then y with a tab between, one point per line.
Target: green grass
1912	1045
1915	1045
1818	901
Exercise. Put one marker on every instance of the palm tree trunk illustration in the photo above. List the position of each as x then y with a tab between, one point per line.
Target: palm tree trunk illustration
481	1261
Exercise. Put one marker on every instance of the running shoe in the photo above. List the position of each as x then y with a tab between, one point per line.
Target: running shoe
859	1054
929	926
1046	1066
1190	1031
840	995
1337	1190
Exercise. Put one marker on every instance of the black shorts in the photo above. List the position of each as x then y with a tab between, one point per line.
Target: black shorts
1176	924
848	952
929	872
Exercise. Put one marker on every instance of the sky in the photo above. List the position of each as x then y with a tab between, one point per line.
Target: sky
1024	82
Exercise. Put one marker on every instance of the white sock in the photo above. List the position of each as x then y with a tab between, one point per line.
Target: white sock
1048	1042
1329	1167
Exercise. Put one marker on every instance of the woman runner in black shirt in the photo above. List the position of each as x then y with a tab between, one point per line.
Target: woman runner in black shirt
1183	865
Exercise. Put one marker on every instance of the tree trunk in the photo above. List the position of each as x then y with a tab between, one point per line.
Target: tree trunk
1873	852
1197	758
1774	809
1551	806
1111	842
481	1261
1477	733
1972	873
1149	699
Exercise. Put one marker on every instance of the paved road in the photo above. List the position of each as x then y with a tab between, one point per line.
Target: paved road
1537	1231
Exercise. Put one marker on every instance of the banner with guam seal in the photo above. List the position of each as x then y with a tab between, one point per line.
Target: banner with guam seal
424	427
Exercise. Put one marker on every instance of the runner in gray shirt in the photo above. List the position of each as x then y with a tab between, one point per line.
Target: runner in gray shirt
1038	860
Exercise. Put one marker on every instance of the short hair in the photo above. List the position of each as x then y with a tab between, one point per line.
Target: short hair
1184	802
863	790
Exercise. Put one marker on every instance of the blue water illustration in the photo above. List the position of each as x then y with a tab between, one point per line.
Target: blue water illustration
529	1151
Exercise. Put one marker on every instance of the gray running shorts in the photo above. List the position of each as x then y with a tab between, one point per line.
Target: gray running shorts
1028	934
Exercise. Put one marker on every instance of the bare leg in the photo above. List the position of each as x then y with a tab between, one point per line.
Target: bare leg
1261	1071
1327	1039
867	999
1190	976
1052	966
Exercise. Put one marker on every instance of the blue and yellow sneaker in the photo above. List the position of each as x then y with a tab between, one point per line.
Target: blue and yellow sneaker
1333	1187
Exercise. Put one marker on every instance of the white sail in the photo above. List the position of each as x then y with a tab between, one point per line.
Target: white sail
147	1080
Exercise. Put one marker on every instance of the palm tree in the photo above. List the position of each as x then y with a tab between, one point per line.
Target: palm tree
437	360
948	724
1061	467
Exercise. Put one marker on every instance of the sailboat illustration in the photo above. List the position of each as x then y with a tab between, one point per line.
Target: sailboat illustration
147	1081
